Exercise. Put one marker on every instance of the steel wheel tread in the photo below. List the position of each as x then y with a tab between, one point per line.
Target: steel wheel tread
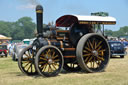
93	53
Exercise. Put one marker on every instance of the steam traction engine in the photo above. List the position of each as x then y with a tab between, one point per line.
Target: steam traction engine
76	48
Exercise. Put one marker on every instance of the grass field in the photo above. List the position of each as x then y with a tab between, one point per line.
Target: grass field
115	74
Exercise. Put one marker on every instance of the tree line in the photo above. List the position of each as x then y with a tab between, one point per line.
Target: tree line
123	31
19	30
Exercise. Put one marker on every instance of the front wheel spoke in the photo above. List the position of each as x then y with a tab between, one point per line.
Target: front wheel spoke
55	57
26	65
41	63
29	67
100	58
53	54
56	60
53	66
44	68
43	58
50	68
28	55
87	55
25	62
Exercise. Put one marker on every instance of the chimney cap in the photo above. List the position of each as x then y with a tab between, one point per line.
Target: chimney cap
39	7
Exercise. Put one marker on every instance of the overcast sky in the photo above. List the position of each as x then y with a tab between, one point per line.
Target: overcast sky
12	10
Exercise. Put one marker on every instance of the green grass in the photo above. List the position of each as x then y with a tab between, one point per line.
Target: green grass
115	74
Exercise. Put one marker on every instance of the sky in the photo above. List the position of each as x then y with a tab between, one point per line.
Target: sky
12	10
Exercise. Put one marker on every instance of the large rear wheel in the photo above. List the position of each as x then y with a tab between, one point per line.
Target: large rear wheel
93	52
49	61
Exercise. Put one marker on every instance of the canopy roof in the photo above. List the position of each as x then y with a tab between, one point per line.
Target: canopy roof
2	37
68	20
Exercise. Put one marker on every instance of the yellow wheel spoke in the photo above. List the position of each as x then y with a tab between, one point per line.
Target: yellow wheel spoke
98	44
48	51
85	51
29	67
100	58
94	62
53	54
26	64
28	56
87	54
55	57
54	66
43	58
89	59
99	48
42	62
44	67
88	49
50	68
25	61
91	44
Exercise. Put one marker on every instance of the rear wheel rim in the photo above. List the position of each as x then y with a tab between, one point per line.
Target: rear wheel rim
93	53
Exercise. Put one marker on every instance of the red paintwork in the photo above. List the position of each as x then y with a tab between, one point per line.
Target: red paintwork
5	51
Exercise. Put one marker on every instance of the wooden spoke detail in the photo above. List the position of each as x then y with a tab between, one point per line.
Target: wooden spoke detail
93	52
50	63
26	61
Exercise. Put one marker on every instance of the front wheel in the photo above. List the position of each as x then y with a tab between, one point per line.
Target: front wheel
26	61
49	61
93	52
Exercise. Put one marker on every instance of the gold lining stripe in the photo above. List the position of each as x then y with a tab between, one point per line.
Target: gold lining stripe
39	11
96	22
61	44
69	56
69	49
